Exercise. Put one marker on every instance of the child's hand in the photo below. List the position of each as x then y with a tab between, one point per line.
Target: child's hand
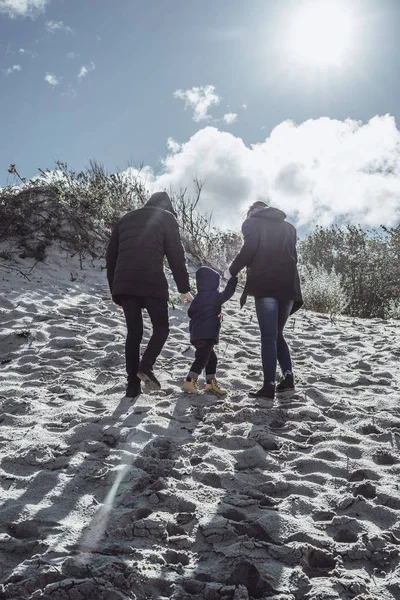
227	274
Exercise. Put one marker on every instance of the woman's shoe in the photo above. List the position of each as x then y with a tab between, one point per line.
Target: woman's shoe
191	386
267	391
286	388
213	387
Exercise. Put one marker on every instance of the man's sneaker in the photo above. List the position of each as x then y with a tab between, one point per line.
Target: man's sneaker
267	391
191	386
133	388
133	391
285	388
146	375
213	387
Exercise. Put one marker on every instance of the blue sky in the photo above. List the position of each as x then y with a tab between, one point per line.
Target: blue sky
134	55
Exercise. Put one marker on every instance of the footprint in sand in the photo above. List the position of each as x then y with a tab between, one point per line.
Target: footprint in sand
323	516
176	558
108	322
320	358
318	397
56	427
15	406
92	407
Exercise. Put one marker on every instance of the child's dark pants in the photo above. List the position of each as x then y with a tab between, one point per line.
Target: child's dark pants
205	358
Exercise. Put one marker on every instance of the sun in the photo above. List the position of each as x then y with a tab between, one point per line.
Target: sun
321	33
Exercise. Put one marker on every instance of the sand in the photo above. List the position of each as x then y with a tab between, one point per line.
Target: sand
172	496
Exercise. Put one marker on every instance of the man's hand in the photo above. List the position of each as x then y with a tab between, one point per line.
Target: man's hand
186	297
117	305
227	274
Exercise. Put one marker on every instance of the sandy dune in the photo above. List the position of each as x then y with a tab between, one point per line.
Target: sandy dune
183	498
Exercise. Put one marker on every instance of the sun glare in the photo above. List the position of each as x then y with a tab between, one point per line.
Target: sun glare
321	33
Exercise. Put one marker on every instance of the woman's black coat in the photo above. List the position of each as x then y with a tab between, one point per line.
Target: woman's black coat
269	253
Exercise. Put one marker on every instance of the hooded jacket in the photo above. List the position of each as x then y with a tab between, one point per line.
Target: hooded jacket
135	254
269	253
205	309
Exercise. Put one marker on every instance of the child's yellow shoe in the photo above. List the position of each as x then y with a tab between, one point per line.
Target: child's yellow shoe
192	387
213	387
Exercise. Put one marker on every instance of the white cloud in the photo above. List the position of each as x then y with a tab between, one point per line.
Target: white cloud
22	8
53	26
230	118
85	69
200	99
52	79
22	50
320	171
173	145
13	69
244	106
72	55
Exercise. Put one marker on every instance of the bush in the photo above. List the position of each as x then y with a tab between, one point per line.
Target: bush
323	291
366	262
393	310
75	209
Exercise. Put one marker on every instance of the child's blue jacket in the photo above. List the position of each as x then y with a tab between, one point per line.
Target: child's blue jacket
205	309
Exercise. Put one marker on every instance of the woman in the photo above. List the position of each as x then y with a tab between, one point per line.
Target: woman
269	253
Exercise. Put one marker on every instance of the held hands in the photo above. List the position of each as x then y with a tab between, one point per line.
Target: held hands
186	297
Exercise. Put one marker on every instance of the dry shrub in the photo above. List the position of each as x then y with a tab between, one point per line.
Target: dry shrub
322	291
367	263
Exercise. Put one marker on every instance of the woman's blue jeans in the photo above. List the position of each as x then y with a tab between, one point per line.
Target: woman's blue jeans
272	315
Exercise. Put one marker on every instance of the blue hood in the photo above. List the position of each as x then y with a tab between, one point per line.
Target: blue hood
207	279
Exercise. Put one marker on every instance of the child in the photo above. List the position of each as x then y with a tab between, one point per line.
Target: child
205	323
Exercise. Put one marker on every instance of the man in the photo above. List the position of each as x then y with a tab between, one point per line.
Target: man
135	257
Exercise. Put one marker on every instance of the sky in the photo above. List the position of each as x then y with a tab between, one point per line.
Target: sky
290	101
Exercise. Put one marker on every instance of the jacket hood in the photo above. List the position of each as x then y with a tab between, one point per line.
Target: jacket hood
161	200
207	279
269	213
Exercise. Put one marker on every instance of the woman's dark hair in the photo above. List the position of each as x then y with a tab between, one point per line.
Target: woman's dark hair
255	207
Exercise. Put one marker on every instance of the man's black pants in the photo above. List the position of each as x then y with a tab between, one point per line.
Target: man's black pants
205	358
158	313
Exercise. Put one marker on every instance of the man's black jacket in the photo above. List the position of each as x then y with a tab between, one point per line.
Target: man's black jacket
135	255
